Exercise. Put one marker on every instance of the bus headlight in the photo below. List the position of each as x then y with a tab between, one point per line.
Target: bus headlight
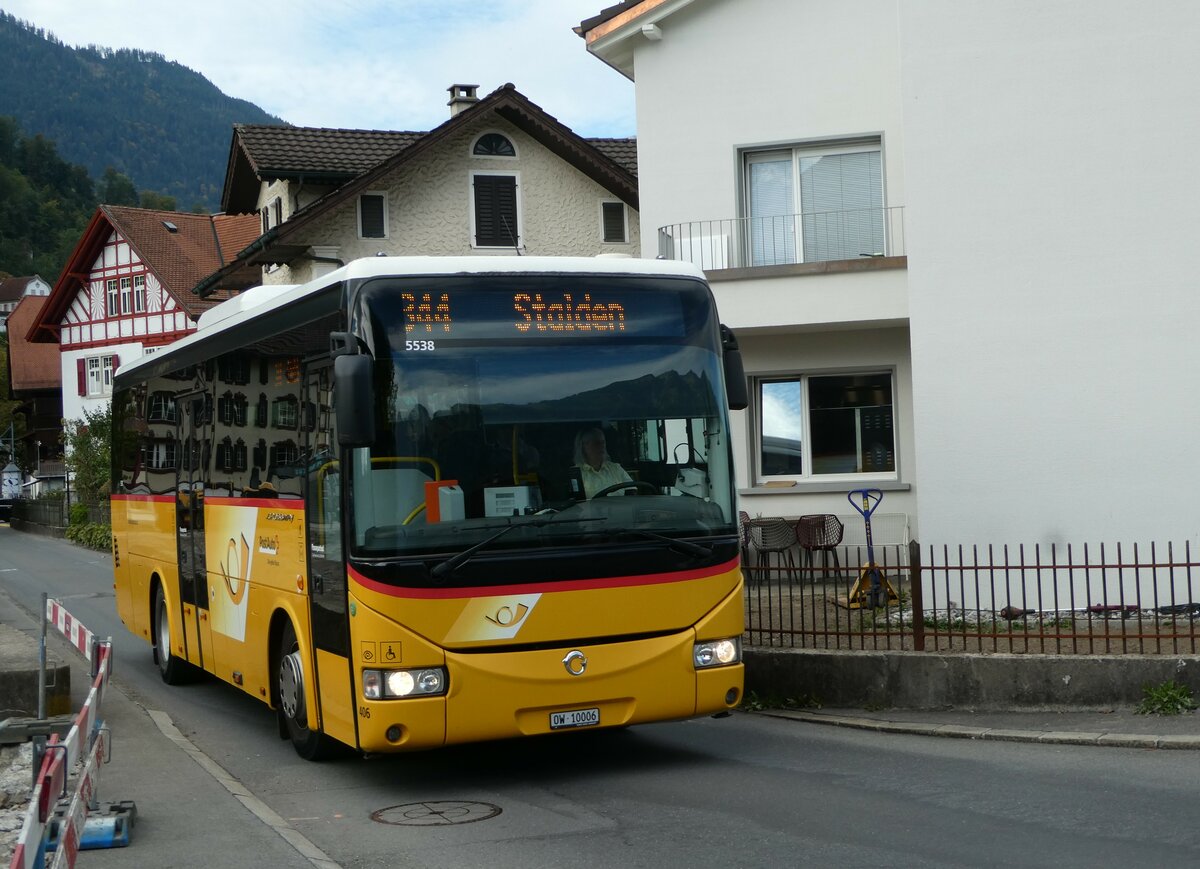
393	684
717	653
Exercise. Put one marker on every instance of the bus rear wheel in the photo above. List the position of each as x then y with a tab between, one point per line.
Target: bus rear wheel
292	694
172	669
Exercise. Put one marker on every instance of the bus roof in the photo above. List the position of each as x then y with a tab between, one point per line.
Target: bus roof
243	309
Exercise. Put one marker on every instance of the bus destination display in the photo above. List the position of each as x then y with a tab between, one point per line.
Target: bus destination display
467	314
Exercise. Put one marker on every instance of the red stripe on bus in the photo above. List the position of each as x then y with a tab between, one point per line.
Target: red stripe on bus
160	499
539	587
278	503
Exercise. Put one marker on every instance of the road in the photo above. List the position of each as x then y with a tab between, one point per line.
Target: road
748	790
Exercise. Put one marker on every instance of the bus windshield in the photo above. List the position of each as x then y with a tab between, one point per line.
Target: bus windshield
534	412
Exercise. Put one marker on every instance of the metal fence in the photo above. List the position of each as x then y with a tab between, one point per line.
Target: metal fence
785	239
1056	600
54	512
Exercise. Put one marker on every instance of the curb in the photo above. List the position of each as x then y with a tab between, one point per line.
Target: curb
959	731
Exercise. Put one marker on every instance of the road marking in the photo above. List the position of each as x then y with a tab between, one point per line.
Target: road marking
260	809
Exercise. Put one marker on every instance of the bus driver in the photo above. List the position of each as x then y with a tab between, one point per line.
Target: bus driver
597	470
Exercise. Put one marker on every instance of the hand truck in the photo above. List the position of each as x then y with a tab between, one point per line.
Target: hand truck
872	589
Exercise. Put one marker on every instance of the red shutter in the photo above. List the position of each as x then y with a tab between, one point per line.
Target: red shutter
115	363
81	370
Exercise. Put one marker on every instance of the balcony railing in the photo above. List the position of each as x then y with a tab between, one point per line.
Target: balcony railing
750	242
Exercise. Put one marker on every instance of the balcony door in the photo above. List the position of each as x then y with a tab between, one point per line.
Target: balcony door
808	204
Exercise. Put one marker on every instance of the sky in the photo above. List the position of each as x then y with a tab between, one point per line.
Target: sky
363	64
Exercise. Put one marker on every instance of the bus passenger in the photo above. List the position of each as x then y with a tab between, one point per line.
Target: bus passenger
597	470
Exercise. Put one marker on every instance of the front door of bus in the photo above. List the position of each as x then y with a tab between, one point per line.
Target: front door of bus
193	412
326	558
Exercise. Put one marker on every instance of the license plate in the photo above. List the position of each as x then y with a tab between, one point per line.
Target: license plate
574	718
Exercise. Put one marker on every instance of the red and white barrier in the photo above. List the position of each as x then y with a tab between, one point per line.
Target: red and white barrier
70	627
62	755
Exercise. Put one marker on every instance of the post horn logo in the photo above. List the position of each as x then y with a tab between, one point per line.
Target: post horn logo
235	570
506	616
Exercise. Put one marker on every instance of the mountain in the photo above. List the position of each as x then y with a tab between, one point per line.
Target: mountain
161	124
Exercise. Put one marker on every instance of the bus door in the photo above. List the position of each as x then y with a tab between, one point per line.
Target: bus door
323	511
193	411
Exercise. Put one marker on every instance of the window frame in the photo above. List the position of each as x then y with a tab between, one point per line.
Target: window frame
472	199
515	155
112	297
807	474
797	151
139	294
358	213
624	222
98	375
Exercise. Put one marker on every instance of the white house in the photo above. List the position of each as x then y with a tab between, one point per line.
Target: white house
980	214
500	176
124	292
12	290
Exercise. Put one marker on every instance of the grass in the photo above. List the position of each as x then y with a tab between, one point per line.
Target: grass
1166	698
752	702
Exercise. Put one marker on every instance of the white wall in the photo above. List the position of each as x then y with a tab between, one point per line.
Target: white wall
1053	176
728	76
827	352
755	72
73	403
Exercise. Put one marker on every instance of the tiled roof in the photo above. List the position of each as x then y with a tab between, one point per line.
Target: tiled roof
234	234
200	245
32	366
276	151
284	151
621	151
12	289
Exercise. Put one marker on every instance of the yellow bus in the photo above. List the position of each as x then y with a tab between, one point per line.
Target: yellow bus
423	501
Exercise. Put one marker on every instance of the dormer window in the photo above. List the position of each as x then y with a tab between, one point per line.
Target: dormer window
493	145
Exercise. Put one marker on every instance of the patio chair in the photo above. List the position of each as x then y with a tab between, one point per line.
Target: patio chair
744	537
773	540
819	533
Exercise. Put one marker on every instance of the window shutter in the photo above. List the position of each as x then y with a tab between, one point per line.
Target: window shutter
370	211
614	221
496	211
81	370
116	362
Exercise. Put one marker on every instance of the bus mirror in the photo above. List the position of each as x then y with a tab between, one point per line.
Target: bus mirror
735	373
354	400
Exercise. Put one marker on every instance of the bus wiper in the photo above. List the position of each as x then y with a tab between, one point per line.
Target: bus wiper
685	547
454	562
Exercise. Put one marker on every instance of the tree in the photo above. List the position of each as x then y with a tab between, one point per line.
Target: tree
88	452
117	189
157	201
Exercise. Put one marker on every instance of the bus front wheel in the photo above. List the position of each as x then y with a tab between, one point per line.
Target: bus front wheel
293	700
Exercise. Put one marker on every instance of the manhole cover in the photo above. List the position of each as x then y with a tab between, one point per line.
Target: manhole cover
436	814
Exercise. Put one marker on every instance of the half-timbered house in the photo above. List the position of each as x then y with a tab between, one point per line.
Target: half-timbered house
125	291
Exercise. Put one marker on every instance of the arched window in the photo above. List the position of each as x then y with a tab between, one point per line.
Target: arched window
493	145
